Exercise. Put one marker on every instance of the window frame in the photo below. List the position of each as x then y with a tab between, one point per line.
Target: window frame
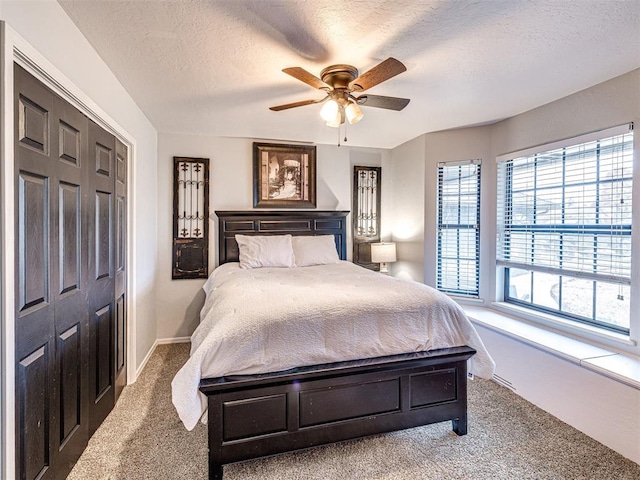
503	266
440	227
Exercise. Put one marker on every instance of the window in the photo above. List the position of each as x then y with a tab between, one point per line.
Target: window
458	260
564	228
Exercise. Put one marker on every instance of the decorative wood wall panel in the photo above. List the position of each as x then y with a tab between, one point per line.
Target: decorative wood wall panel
190	218
367	182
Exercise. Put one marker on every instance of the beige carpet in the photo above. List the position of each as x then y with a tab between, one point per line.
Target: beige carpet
508	438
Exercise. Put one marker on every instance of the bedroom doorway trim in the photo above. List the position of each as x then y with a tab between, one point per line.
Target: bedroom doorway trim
15	49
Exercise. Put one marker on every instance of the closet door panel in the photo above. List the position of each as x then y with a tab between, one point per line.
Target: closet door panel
103	235
121	268
103	328
34	385
70	142
104	158
53	240
70	212
102	153
33	241
70	362
33	121
36	278
69	157
120	334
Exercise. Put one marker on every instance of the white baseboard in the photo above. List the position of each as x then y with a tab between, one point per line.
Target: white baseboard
145	360
166	341
159	341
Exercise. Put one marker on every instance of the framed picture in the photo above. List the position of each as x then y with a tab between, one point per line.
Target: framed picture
284	176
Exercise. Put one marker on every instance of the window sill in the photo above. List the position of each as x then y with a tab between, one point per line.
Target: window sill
622	367
598	335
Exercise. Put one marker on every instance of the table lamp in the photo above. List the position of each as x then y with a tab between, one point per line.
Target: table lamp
383	253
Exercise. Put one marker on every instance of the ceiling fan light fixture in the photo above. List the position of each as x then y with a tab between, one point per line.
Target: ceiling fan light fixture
354	113
338	119
330	111
335	123
338	82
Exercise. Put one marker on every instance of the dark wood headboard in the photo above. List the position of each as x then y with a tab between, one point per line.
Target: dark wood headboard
251	222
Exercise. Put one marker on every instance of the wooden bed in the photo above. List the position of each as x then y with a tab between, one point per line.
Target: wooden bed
251	416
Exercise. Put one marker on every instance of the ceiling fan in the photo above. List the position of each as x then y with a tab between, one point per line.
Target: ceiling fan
341	82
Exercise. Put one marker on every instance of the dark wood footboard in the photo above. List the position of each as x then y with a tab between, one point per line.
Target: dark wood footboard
257	415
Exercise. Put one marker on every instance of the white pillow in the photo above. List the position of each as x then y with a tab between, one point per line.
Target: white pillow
314	250
265	251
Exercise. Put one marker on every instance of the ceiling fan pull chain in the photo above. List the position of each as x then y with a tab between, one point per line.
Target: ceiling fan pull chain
338	135
345	132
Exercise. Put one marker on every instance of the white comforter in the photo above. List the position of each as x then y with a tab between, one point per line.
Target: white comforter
271	319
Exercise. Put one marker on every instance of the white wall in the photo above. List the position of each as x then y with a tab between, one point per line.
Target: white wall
600	407
447	146
231	188
406	220
44	32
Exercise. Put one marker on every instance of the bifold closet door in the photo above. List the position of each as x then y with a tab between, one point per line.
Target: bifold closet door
70	182
51	281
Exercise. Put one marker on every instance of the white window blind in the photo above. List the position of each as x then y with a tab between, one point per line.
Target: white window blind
458	253
565	211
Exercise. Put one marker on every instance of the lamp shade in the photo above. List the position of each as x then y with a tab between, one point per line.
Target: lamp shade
354	114
330	111
335	123
384	252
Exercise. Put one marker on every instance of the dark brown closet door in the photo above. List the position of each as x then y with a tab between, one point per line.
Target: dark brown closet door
70	278
102	173
120	355
51	281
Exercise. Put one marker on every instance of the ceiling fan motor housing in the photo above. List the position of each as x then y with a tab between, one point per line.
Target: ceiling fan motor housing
339	76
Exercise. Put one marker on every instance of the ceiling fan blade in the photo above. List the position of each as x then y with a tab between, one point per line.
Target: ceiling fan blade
306	77
277	108
378	101
378	74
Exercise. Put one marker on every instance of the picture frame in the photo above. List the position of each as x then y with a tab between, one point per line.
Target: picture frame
284	176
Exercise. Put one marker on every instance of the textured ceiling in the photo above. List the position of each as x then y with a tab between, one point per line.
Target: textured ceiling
213	67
